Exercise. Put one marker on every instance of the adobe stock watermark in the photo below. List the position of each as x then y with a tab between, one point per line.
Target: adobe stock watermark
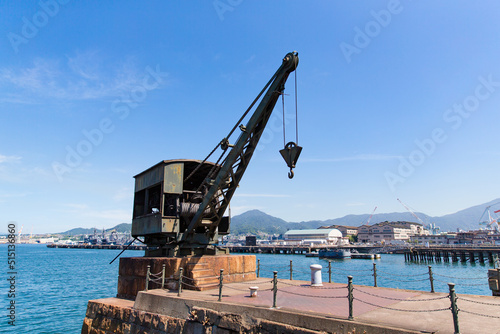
223	6
11	273
121	108
454	118
31	26
372	29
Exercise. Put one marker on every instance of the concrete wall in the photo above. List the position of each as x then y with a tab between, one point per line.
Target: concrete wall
103	318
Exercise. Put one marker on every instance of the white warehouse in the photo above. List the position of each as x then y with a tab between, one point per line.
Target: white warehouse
317	236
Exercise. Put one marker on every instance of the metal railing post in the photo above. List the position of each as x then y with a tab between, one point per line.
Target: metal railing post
163	277
431	279
375	275
220	284
258	268
275	287
350	297
329	271
180	281
291	271
454	308
147	277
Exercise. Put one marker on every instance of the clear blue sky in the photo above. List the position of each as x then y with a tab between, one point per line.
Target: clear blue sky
396	99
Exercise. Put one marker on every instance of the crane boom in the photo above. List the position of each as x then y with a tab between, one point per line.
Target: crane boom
370	218
413	214
223	186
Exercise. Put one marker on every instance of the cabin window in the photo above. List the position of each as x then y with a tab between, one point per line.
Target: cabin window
154	199
139	201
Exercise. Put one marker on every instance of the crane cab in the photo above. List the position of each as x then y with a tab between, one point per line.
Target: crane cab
165	202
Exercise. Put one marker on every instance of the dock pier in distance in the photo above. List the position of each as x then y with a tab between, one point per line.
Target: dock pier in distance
471	254
98	246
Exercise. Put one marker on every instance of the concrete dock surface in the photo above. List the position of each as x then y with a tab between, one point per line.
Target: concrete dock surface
406	310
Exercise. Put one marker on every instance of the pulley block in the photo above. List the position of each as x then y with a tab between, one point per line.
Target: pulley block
291	154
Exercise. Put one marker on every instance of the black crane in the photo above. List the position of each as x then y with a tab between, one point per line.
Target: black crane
179	205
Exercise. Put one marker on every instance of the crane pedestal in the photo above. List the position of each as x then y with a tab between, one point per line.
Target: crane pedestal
200	272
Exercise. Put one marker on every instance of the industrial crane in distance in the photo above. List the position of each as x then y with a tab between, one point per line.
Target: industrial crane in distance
180	205
370	218
432	227
491	223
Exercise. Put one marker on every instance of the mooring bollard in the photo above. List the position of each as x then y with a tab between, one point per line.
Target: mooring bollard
329	271
291	271
375	275
253	291
350	297
316	275
179	290
147	277
275	287
454	308
220	284
431	279
163	277
258	268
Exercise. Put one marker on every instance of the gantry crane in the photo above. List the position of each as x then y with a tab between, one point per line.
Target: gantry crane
179	205
491	223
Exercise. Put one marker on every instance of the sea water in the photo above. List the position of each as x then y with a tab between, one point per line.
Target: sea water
53	285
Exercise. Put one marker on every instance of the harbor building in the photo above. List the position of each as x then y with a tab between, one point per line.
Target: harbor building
315	236
435	239
390	232
345	230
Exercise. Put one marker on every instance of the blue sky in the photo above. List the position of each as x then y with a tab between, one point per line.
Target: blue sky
396	99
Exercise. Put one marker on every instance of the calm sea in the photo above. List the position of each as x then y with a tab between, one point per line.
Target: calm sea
53	286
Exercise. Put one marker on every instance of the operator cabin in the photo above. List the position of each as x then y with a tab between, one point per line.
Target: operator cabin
317	236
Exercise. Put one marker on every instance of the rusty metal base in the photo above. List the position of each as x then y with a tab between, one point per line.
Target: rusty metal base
200	272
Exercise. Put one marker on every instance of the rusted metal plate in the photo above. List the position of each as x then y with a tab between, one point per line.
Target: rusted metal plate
170	225
145	225
149	178
173	178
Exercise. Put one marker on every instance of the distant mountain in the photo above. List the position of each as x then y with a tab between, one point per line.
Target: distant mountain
121	228
255	221
466	219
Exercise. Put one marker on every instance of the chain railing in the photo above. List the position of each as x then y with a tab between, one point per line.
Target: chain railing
352	294
378	275
158	278
356	294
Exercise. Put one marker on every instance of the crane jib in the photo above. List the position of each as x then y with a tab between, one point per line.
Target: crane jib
180	205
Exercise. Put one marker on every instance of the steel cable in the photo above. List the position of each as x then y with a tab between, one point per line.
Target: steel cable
304	295
401	299
458	277
402	310
404	281
384	272
473	301
479	314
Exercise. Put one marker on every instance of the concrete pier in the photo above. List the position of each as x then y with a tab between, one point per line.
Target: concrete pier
300	309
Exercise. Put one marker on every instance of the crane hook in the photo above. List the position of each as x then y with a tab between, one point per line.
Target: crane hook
291	153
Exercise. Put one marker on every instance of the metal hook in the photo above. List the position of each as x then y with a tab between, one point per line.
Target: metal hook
290	174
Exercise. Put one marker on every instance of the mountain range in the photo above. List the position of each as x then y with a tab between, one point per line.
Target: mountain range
120	228
255	221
